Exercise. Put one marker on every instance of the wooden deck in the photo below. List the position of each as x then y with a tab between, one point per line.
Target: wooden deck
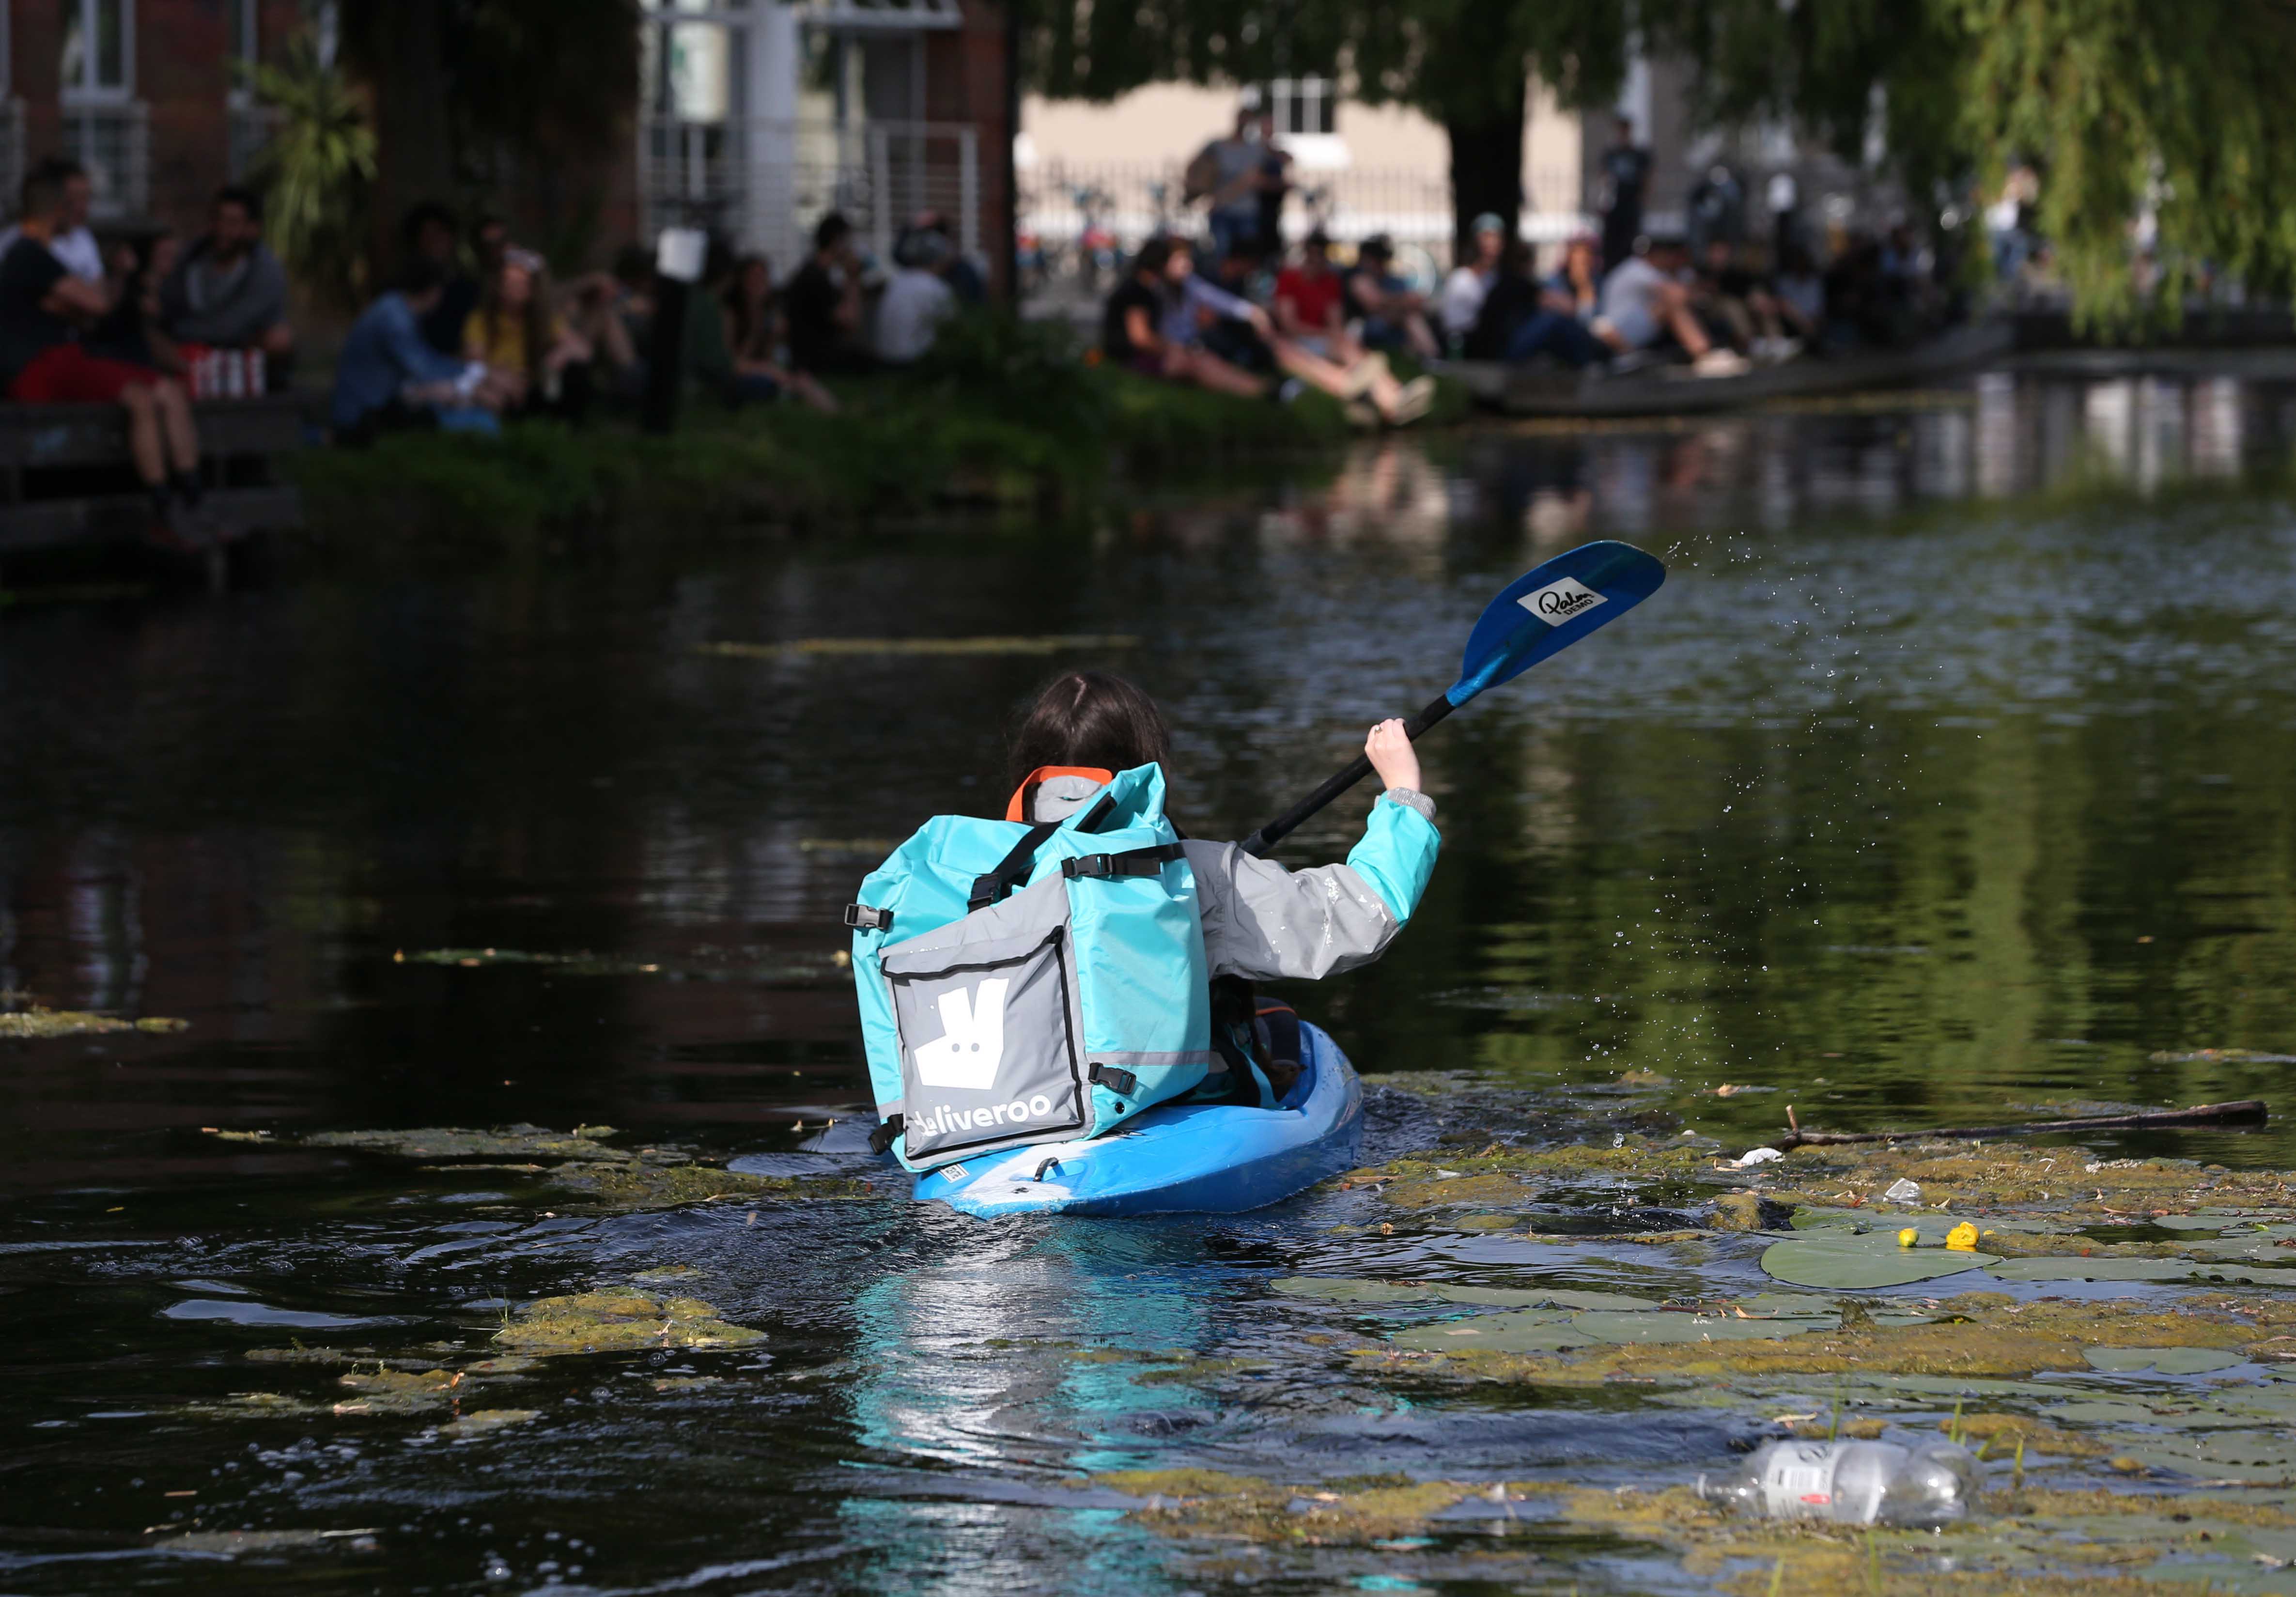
65	476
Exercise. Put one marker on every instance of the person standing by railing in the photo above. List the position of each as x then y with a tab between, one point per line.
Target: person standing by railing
1231	174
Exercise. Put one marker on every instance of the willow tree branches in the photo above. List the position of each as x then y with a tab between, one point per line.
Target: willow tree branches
2172	108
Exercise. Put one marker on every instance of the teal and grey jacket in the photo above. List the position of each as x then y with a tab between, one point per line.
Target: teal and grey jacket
1265	923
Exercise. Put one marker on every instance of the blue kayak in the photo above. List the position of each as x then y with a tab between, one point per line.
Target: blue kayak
1200	1158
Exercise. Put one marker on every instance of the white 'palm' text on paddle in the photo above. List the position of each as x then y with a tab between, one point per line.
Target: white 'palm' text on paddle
970	1047
1558	601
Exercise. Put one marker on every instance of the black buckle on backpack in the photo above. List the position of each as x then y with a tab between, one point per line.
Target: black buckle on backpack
862	917
882	1140
1124	1084
1132	862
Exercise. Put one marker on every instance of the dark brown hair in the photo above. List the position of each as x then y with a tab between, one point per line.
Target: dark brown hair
1090	718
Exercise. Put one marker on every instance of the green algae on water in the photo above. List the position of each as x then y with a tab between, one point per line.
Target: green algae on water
479	1422
1212	1504
617	1320
37	1022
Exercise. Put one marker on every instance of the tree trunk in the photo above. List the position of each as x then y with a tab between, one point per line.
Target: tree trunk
1486	171
401	53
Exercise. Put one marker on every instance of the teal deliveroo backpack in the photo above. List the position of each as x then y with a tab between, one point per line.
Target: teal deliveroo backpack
1030	983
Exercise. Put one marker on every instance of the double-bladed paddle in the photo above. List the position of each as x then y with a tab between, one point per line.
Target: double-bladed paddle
1540	613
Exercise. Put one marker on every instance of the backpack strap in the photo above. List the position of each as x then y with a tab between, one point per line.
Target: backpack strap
995	886
1133	862
887	1134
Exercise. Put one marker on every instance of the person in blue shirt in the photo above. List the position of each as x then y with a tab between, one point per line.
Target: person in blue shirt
389	377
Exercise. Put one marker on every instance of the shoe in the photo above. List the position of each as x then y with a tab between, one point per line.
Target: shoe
1721	363
178	526
1417	398
163	535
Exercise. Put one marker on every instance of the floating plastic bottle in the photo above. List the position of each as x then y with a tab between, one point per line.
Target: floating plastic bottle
1852	1483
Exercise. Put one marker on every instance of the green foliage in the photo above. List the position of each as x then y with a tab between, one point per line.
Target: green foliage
996	362
318	169
2123	101
2120	103
901	445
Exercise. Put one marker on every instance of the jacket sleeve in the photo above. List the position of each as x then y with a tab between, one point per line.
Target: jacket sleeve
416	361
1264	923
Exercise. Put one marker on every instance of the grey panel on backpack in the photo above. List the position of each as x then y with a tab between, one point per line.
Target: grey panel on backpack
987	1011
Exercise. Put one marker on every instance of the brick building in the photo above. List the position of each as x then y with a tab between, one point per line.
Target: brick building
754	117
145	94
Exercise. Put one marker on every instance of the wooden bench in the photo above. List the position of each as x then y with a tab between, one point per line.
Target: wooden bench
66	476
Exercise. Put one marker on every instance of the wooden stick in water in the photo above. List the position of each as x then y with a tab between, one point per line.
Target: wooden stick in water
2245	1111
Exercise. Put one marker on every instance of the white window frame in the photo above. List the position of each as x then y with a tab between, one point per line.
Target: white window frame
80	96
1321	94
238	95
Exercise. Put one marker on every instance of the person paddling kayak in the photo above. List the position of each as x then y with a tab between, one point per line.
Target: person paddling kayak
1260	921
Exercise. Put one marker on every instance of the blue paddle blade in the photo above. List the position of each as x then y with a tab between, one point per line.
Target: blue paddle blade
1552	608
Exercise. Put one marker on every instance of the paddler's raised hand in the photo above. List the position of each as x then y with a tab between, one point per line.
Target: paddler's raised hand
1391	755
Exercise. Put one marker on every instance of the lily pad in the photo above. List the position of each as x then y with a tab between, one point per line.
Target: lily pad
2251	1456
1620	1329
1548	1330
1859	1262
2168	1361
1334	1289
2052	1267
1530	1331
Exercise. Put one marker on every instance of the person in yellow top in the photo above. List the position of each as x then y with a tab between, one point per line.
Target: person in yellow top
518	335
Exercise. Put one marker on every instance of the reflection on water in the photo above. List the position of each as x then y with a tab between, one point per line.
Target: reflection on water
1947	776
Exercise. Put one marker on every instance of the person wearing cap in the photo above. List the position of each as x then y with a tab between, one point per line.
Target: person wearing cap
918	298
1393	314
1470	283
1644	300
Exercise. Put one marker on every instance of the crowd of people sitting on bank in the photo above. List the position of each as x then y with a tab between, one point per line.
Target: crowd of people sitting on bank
458	346
1725	308
1237	329
144	325
1248	316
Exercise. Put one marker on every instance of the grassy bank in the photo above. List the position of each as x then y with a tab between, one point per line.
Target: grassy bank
1007	417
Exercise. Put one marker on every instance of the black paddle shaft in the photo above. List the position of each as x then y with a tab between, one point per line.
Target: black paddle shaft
1260	842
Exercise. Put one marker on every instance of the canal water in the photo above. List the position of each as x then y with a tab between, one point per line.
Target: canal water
1946	781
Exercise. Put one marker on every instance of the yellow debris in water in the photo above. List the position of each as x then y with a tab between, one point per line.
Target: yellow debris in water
1962	1238
1908	1237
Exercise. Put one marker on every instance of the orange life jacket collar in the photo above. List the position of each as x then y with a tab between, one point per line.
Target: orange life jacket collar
1017	808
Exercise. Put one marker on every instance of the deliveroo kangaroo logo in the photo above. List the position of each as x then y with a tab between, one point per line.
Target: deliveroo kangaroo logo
970	1047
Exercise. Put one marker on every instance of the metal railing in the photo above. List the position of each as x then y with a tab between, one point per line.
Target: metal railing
764	183
1411	206
114	142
